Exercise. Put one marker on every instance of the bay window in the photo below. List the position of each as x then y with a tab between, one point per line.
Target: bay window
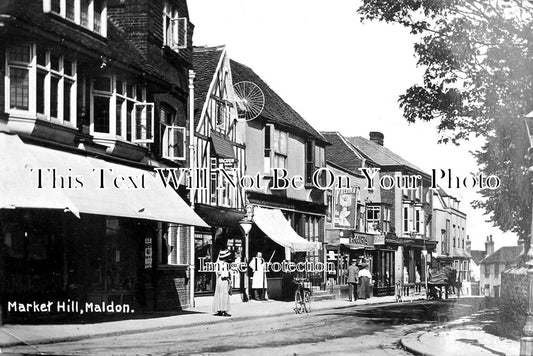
373	217
119	109
91	14
41	82
19	65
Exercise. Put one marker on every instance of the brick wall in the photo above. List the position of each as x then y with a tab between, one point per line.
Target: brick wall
172	292
513	297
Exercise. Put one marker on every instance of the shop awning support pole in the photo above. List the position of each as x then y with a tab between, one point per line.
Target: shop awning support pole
192	154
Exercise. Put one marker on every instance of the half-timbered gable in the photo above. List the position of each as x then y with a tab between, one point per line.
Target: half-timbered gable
219	135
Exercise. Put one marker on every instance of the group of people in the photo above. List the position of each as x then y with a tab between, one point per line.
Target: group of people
358	281
223	288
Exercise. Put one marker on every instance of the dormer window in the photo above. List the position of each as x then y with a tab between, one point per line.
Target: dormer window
91	14
174	28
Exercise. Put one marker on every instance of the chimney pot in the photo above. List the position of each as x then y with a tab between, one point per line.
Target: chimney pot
377	137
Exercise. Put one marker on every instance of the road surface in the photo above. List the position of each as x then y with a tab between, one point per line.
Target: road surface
351	330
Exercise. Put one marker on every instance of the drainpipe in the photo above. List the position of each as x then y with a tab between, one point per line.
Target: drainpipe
192	162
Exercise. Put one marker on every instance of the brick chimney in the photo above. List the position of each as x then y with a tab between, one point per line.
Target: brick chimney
489	245
377	137
468	244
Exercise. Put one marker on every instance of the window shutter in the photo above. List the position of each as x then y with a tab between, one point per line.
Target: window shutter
144	122
175	142
182	32
309	161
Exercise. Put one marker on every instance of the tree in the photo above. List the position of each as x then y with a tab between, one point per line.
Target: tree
478	80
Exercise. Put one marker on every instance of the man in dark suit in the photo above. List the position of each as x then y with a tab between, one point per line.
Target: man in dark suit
353	279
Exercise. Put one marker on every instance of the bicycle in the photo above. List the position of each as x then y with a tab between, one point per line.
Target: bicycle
302	295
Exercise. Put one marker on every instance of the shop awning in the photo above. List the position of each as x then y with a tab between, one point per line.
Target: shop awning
16	180
85	184
277	228
222	146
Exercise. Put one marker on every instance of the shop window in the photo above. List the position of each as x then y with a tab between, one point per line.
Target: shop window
203	247
91	14
175	28
52	78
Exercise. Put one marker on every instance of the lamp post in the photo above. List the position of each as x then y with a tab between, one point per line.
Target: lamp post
425	253
246	225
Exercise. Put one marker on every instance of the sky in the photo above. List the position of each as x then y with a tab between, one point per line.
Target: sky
340	75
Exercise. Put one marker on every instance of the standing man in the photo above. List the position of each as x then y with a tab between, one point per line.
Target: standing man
353	279
259	282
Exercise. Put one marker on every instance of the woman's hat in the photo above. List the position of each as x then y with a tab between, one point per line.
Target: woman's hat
224	254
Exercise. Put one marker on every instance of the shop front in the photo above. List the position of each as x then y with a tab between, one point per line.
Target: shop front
275	238
224	233
376	251
101	246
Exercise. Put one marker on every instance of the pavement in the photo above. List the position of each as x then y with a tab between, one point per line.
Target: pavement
18	334
464	336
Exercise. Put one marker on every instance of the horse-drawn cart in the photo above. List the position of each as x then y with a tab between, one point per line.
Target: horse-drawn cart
445	277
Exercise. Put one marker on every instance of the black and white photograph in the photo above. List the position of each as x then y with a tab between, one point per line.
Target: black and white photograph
252	177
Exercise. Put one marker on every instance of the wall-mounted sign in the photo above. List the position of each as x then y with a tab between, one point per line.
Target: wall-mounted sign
360	239
148	252
379	239
345	208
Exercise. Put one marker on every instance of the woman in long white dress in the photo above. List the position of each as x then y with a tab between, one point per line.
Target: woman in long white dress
221	301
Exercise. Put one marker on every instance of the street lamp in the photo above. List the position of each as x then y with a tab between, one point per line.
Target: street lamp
425	253
246	225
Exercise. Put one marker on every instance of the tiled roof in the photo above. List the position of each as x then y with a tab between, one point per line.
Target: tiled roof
205	61
115	47
506	254
380	154
478	255
276	110
341	153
